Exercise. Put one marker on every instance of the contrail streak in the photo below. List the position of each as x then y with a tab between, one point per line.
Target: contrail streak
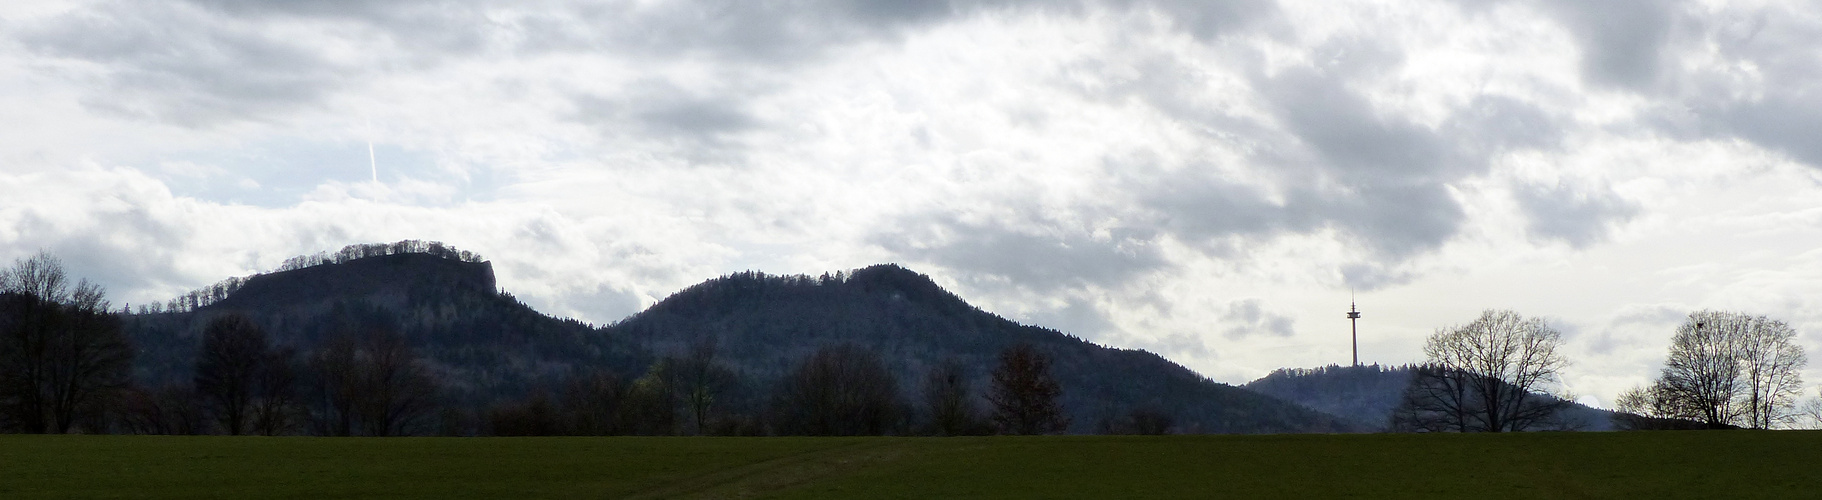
370	163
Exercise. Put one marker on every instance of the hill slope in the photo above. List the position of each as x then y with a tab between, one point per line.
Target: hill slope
487	347
483	344
763	325
1367	395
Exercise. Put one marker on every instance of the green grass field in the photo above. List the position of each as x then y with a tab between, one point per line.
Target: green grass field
1721	464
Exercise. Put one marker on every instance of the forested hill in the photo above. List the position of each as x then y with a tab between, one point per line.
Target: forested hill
483	344
763	325
484	348
390	280
1367	395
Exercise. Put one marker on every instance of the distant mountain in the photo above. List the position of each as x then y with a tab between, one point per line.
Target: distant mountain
483	344
1367	395
765	324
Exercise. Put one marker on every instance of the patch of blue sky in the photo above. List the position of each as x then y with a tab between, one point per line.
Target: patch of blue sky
282	172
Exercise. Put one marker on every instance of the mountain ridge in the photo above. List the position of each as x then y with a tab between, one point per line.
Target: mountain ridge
484	343
765	322
489	348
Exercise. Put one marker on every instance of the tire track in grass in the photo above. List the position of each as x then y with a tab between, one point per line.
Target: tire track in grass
757	479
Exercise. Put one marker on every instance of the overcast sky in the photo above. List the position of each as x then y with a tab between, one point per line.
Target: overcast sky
1203	179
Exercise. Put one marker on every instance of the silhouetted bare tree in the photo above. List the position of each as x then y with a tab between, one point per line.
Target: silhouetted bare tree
398	394
1729	369
952	408
171	409
336	386
234	350
593	400
840	390
702	380
1651	408
1491	375
375	387
1438	399
63	357
1025	395
275	402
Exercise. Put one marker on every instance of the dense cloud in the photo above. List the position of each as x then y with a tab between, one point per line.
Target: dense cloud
1198	178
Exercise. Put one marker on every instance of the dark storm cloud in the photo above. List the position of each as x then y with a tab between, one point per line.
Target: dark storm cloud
1579	217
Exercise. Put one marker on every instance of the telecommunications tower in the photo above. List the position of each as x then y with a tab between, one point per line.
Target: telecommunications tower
1354	324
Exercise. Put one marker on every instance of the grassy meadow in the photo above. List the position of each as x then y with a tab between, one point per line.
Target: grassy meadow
1728	464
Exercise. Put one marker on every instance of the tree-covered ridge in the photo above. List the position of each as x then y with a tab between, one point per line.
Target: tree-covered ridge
764	324
483	344
718	357
209	295
415	338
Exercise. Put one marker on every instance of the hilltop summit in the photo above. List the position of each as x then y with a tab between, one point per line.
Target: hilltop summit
387	279
486	344
763	324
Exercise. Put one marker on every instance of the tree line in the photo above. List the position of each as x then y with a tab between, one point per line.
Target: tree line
65	366
1724	370
1501	373
208	295
838	390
